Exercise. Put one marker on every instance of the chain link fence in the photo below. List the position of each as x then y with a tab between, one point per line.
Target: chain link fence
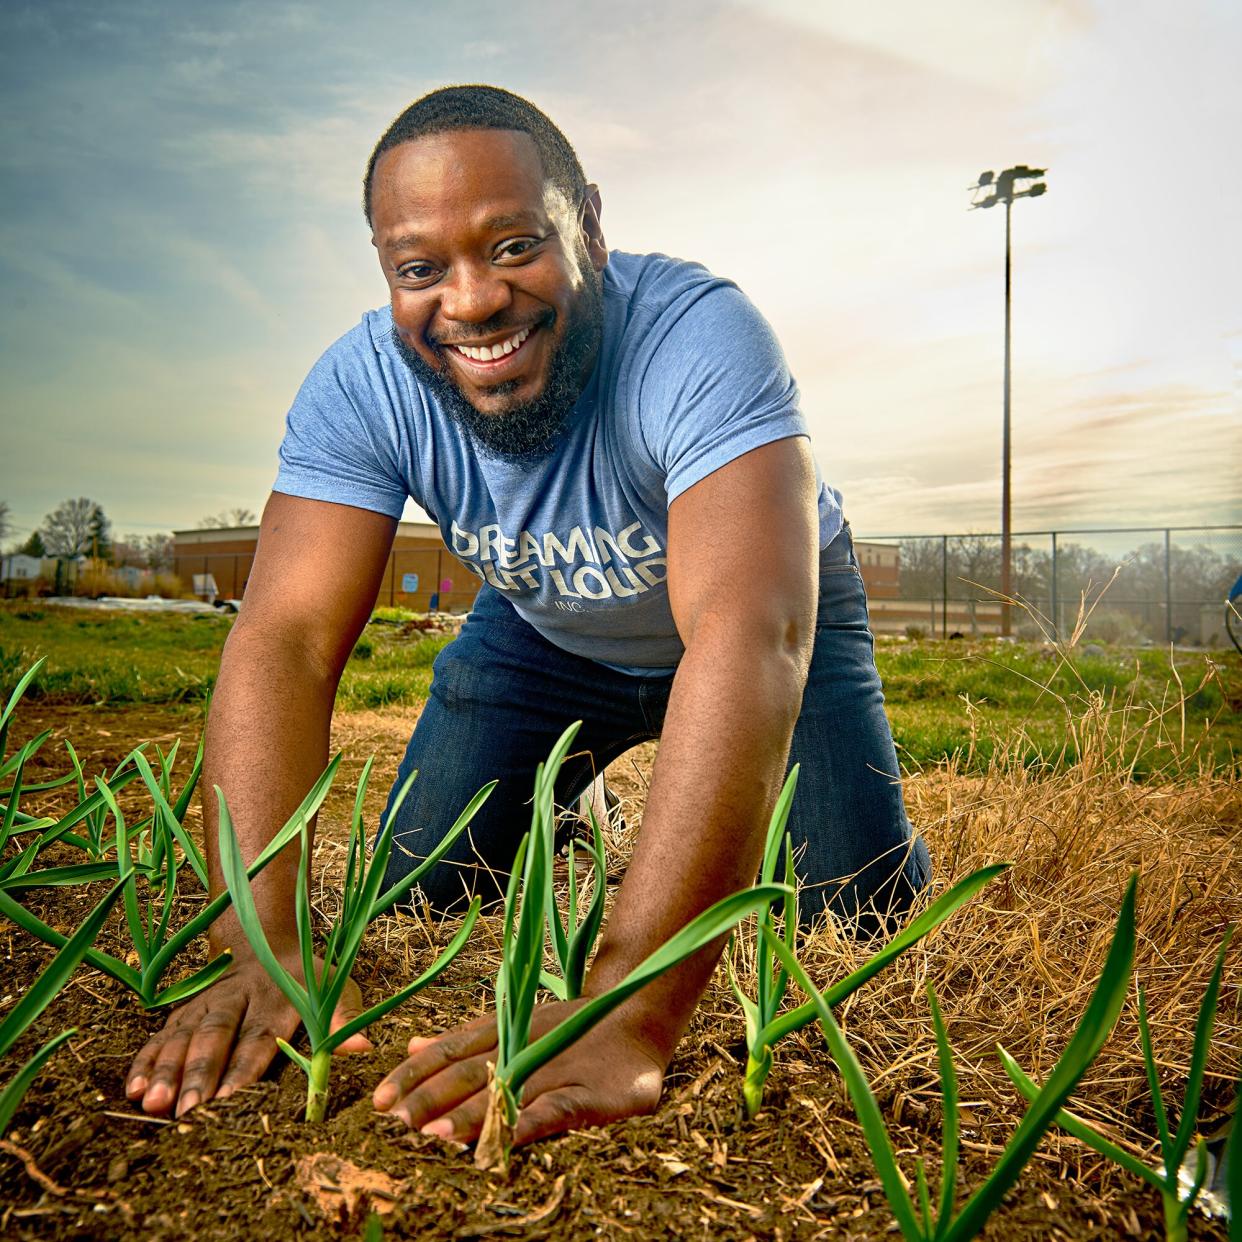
1163	584
1160	585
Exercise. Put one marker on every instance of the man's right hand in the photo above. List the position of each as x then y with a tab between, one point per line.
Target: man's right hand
225	1038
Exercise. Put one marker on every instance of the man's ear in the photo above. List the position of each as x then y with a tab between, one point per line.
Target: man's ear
592	230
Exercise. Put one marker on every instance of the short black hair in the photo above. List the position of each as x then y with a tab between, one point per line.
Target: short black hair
482	107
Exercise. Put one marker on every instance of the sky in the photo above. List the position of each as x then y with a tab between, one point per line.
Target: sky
181	235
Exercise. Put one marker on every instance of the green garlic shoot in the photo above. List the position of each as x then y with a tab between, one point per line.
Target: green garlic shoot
1173	1146
765	1025
916	1219
573	940
153	945
316	995
772	977
522	947
33	1002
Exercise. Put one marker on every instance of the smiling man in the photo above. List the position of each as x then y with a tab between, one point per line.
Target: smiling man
613	442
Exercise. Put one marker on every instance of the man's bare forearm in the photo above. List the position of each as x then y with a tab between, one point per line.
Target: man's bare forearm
721	763
267	743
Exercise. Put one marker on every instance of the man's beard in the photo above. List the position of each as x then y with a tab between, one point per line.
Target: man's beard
528	432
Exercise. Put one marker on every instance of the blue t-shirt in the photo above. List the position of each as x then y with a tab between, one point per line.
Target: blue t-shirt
689	377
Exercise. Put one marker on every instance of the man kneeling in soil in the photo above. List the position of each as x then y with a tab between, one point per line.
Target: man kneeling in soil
613	442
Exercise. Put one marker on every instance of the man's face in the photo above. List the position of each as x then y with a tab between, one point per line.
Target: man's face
494	280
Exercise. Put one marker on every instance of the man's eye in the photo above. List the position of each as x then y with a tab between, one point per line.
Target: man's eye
416	271
517	248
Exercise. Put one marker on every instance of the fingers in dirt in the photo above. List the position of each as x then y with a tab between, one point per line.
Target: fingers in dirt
138	1079
206	1057
418	1096
252	1054
164	1081
462	1124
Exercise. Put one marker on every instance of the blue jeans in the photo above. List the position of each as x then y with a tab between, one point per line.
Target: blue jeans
501	694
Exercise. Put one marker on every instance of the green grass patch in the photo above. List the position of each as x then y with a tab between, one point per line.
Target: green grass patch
945	699
971	701
98	657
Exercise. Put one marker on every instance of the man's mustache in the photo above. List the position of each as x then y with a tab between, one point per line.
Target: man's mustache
494	326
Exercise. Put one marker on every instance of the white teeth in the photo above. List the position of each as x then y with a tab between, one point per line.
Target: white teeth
487	353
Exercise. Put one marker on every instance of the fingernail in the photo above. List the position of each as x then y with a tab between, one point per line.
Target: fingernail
417	1043
385	1097
224	1092
441	1128
157	1098
187	1102
137	1086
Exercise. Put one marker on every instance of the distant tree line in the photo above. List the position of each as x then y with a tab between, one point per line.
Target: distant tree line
1196	572
79	527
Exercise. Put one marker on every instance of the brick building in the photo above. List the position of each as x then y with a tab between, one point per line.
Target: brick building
218	561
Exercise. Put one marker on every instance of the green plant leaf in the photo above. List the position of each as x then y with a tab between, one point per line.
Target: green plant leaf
951	1123
582	941
177	992
214	908
57	972
125	861
238	882
19	1084
874	1130
1153	1076
462	822
929	920
1083	1130
441	963
182	805
110	965
504	1019
1198	1061
303	1063
170	819
702	930
61	877
1093	1028
20	689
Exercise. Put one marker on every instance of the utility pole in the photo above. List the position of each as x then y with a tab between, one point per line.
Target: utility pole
1003	188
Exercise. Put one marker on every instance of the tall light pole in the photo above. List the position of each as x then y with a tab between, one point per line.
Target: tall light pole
1003	188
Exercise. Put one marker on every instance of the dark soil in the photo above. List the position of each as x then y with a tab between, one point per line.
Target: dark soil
82	1163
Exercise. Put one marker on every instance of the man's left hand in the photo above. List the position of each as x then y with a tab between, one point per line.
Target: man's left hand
608	1074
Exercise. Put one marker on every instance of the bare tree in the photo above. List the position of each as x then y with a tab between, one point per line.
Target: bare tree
239	516
72	526
144	551
6	524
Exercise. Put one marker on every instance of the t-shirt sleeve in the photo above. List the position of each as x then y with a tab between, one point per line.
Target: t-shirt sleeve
717	386
338	442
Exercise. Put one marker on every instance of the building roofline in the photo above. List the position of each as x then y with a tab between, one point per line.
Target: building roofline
227	534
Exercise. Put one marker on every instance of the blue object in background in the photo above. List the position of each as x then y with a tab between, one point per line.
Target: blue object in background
409	583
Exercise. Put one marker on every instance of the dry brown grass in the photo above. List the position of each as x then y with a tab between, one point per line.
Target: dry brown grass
1016	966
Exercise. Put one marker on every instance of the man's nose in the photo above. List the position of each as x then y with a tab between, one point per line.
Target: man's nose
474	293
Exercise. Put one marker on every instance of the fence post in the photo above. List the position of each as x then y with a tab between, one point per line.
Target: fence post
1056	620
944	586
1168	587
392	578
